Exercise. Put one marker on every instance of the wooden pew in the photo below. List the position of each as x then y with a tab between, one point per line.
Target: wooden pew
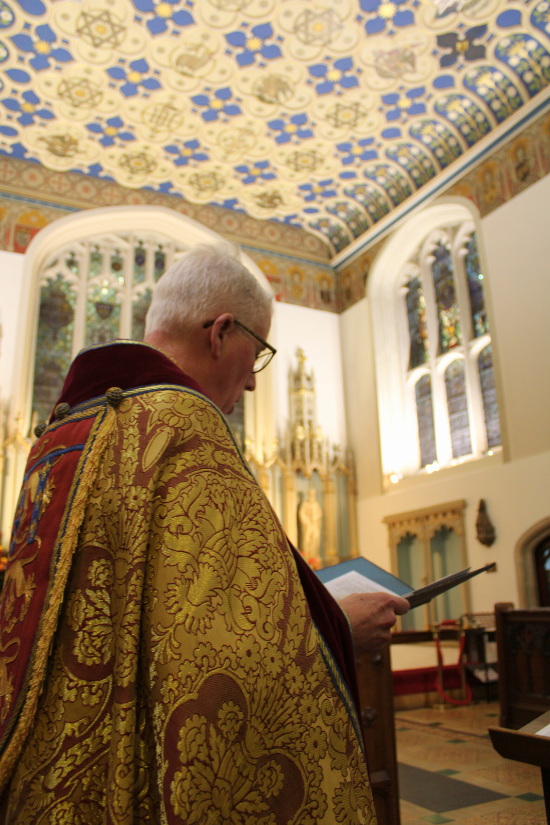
523	643
376	695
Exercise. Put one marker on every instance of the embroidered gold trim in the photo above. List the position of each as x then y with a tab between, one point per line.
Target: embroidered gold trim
65	546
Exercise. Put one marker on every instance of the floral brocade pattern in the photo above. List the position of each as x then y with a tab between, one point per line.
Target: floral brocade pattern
186	682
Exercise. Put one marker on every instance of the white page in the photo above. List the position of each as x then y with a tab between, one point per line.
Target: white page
354	582
544	731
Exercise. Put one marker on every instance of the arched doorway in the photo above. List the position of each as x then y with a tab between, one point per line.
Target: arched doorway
533	565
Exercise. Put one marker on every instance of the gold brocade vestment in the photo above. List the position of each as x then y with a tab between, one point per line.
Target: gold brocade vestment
186	681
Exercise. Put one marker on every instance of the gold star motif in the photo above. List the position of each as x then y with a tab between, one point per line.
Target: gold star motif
134	77
27	107
79	92
317	28
346	115
164	10
253	44
334	74
42	47
387	10
137	163
100	30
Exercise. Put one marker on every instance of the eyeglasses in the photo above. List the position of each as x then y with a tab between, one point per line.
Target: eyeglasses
264	357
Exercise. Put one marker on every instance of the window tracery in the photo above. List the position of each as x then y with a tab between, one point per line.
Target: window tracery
93	291
449	361
437	399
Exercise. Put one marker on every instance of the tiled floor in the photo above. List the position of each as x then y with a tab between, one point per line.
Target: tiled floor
454	744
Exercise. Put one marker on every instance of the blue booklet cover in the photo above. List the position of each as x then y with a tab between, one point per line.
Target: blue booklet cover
369	570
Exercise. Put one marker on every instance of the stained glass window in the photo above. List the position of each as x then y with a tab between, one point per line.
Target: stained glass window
117	266
418	334
53	343
480	324
140	305
102	315
457	405
96	263
71	263
445	293
160	263
489	394
140	258
425	417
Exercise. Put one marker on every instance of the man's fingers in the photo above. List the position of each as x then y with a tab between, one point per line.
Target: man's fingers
401	606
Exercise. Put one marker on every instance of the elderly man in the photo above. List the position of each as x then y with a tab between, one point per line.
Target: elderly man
166	657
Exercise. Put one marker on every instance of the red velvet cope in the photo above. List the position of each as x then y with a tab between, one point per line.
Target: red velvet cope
129	365
121	364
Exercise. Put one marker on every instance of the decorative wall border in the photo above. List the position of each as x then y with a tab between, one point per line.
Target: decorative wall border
70	191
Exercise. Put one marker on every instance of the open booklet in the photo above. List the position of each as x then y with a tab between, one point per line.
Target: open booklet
362	576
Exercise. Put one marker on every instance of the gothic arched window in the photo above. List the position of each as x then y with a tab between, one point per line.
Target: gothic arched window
449	353
93	291
436	384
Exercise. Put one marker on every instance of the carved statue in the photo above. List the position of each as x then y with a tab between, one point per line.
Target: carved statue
310	516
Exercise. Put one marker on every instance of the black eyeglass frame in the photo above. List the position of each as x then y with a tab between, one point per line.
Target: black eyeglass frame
271	350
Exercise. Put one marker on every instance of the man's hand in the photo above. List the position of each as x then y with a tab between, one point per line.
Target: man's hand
372	615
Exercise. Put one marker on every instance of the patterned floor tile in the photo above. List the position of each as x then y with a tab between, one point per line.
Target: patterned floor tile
428	741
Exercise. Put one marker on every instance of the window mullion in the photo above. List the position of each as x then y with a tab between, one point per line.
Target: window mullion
79	336
126	290
439	397
478	433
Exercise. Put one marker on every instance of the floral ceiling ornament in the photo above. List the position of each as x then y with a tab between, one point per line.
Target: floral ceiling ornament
462	46
386	13
163	15
439	139
394	183
45	47
496	89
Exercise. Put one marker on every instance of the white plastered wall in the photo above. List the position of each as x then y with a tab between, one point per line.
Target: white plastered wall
517	251
318	334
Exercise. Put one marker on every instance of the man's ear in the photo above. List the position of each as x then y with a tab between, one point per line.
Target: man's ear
219	329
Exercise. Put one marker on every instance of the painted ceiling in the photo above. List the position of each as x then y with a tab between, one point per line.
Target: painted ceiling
325	113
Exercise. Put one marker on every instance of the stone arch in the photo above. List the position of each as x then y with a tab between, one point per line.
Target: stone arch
525	562
81	225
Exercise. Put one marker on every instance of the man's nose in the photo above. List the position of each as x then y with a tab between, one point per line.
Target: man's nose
251	382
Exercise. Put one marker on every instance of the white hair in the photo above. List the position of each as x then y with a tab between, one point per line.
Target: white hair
206	282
